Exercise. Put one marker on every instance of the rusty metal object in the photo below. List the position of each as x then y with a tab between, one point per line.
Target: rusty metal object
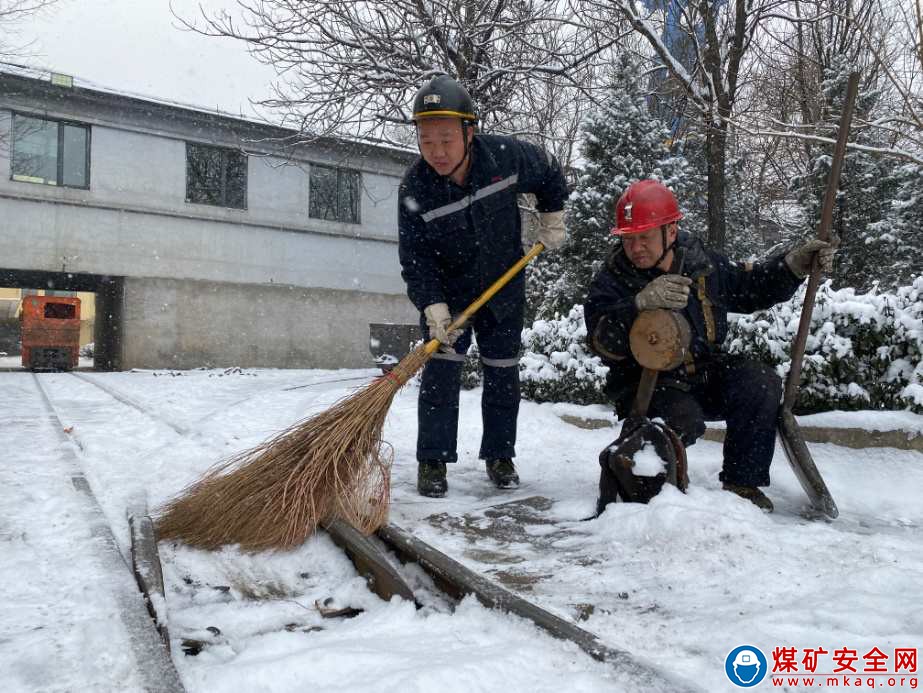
145	564
807	473
370	561
797	453
660	339
677	475
458	581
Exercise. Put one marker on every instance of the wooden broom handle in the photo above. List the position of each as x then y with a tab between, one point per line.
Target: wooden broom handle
459	322
823	233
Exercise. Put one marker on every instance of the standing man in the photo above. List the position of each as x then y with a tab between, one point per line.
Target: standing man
641	274
460	230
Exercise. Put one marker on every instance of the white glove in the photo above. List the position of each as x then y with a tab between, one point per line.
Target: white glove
666	291
438	320
551	230
799	260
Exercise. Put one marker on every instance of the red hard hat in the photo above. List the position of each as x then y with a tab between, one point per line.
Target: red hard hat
646	204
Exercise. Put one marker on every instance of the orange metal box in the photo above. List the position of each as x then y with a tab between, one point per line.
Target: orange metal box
50	332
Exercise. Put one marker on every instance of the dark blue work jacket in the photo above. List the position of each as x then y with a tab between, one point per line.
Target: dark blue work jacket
455	241
719	286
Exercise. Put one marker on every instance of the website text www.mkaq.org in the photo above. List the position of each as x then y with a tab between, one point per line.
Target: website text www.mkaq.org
895	669
845	681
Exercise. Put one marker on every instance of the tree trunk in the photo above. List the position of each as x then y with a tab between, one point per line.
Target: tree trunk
716	146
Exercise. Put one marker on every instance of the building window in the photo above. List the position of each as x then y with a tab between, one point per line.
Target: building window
334	194
52	152
216	176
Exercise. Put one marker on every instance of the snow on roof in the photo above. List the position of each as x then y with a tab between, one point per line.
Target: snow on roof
43	74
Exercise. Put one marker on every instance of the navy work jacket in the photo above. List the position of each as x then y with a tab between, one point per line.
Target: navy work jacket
455	241
610	308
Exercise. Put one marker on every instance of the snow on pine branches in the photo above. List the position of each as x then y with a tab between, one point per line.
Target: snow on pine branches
865	351
556	365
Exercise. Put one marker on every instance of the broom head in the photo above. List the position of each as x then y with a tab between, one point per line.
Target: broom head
333	465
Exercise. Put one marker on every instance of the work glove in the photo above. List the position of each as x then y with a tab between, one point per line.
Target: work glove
551	230
799	260
438	320
666	291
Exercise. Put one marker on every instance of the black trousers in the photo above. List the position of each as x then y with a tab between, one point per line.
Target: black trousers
499	344
744	393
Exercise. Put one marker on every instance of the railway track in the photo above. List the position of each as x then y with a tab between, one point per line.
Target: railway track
380	559
151	653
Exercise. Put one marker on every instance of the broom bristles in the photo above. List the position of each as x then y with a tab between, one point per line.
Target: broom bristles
333	465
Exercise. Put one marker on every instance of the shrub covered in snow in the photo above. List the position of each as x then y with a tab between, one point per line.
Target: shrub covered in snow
556	365
865	351
471	371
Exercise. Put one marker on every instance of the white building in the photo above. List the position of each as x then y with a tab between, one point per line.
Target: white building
207	239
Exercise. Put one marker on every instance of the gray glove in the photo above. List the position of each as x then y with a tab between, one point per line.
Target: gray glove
666	291
438	320
799	260
551	230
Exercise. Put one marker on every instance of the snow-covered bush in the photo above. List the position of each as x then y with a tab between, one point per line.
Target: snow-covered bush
864	350
556	365
471	372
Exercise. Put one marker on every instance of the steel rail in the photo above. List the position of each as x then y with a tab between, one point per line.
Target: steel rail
373	559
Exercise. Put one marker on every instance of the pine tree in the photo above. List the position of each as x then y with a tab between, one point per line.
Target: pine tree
894	242
622	143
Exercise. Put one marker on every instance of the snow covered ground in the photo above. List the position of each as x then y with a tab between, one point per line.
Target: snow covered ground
679	583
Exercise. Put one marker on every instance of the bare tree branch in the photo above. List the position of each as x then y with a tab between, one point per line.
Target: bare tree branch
351	67
13	13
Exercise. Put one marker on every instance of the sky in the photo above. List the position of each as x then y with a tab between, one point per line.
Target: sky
137	46
681	584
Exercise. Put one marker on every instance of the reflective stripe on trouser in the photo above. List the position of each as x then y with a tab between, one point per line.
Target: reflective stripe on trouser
437	407
746	395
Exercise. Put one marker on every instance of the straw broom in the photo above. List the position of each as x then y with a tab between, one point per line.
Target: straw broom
333	465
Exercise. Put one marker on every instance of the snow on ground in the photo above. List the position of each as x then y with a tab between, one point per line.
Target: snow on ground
678	583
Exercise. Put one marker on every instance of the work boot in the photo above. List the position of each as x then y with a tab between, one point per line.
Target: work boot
431	480
752	494
503	473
